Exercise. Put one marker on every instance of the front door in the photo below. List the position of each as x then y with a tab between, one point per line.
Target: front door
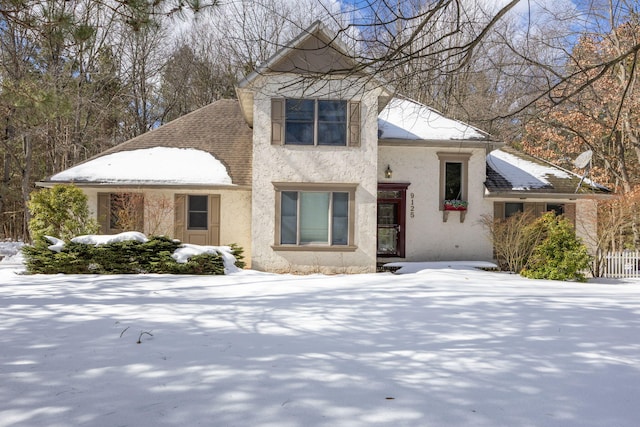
391	219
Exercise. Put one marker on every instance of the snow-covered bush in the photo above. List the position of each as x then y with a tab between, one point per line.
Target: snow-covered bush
60	211
560	255
127	253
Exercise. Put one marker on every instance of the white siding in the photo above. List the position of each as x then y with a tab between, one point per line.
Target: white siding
428	237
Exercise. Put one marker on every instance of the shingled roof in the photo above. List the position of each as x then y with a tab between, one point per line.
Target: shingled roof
218	128
510	171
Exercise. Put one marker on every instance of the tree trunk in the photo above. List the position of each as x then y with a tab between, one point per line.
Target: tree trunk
26	185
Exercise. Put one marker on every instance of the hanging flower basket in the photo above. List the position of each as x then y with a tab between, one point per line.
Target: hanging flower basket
455	205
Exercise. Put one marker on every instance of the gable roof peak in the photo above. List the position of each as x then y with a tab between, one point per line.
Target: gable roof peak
316	39
317	53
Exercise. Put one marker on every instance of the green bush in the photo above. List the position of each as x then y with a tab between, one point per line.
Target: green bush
127	257
560	255
60	211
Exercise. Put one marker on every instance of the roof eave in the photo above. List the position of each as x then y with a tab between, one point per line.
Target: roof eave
488	144
532	194
124	184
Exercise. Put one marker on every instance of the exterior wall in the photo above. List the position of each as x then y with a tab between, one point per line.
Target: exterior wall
586	215
235	212
428	237
307	164
587	223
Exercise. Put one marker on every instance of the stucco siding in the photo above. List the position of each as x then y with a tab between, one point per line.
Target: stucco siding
235	212
314	164
428	236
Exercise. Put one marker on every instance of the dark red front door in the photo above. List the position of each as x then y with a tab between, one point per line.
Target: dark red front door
391	219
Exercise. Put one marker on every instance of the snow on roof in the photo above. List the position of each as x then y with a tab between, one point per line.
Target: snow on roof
407	119
150	165
523	174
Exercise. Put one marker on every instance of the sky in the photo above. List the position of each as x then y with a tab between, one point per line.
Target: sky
444	345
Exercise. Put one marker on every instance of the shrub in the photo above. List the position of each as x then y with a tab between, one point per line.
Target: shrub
514	240
74	259
60	211
238	253
560	255
126	257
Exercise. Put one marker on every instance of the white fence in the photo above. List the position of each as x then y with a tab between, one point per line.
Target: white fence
622	264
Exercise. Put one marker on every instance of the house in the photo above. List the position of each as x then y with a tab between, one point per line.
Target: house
317	168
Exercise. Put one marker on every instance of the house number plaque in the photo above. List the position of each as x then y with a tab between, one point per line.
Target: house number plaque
412	208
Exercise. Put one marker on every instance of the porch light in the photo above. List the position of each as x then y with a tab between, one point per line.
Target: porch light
388	173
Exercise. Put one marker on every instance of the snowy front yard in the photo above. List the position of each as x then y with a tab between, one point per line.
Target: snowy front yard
437	348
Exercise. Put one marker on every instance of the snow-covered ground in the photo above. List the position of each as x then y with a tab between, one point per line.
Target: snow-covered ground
445	346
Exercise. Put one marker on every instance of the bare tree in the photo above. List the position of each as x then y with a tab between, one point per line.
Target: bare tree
192	79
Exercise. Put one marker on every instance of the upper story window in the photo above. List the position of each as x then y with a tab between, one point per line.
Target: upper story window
315	122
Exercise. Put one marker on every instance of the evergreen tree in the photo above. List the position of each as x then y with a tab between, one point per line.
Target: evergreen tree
60	211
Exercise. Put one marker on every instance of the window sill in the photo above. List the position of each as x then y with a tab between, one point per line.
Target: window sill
303	147
312	248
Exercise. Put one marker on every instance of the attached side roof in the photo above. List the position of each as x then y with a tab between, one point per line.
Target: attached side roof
407	122
513	173
218	129
406	119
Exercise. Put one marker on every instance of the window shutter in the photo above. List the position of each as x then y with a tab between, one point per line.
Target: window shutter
214	219
277	121
570	212
103	212
354	124
179	211
139	200
498	210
